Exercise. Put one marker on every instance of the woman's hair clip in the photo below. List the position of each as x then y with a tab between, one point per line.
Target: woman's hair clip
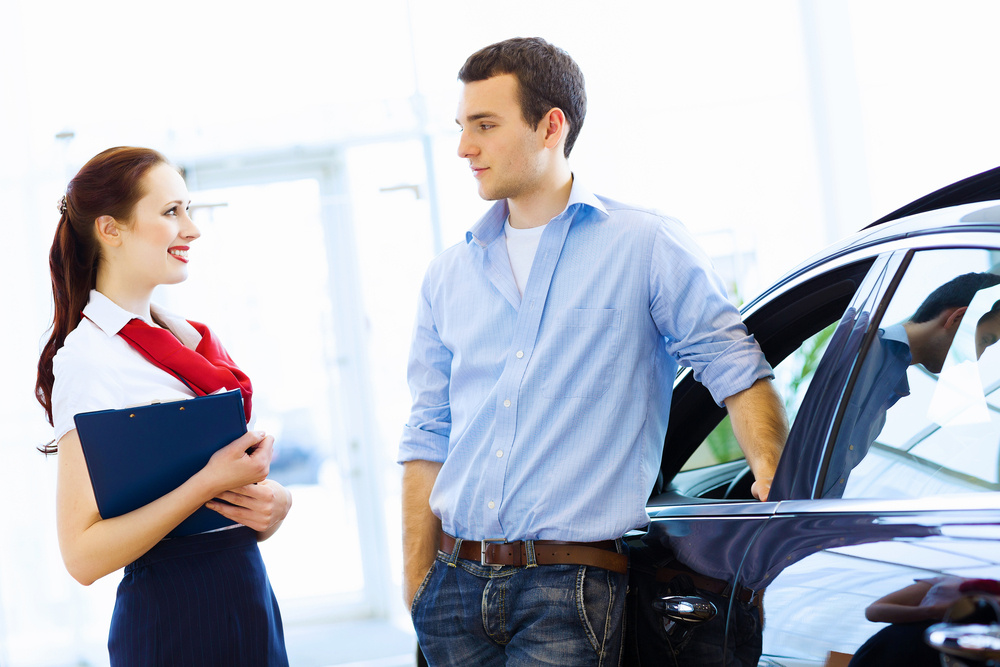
62	205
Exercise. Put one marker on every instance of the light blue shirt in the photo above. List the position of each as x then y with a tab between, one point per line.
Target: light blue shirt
548	412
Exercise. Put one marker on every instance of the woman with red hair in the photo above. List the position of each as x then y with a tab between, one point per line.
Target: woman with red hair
203	599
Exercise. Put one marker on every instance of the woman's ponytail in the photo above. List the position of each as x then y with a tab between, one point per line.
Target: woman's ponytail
73	268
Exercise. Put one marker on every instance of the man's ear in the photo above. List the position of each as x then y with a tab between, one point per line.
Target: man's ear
108	231
953	317
556	127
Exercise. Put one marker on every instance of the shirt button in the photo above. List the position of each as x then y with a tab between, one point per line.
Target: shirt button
499	453
491	505
520	354
506	403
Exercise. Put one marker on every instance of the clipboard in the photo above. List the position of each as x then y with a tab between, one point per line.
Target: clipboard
137	455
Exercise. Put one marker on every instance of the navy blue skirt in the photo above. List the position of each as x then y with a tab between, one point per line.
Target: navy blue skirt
198	600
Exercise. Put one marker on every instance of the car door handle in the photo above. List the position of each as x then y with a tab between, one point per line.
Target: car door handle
973	641
687	608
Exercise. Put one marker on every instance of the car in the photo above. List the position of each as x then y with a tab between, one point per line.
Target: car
888	488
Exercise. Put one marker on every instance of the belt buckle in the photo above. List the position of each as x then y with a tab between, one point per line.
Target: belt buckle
482	549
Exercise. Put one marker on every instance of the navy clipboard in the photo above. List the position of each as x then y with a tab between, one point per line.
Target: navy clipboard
137	455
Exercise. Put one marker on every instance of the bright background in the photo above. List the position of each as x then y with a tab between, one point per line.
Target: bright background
319	142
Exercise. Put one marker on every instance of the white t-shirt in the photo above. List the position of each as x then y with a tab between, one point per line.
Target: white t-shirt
521	247
96	369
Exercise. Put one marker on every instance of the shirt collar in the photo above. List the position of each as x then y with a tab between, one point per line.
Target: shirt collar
108	315
896	332
111	318
490	226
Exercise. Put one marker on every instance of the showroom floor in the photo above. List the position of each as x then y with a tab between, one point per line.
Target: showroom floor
362	643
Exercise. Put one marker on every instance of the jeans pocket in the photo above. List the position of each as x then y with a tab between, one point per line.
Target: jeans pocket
601	606
422	588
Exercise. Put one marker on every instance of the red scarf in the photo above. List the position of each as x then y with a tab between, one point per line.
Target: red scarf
206	369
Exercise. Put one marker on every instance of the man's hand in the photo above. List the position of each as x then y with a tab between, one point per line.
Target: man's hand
412	582
760	489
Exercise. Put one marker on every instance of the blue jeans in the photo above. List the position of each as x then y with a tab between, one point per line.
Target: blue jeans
483	615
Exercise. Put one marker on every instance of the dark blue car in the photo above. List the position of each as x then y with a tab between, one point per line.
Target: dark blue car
880	543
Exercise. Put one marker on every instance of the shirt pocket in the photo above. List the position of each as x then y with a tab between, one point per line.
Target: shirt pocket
581	357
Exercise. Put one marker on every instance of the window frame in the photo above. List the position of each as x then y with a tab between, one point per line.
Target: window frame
902	258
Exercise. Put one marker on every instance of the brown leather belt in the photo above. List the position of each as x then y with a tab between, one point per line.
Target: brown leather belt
710	584
547	552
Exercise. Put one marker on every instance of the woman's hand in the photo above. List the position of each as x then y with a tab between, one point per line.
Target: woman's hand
244	461
93	547
262	506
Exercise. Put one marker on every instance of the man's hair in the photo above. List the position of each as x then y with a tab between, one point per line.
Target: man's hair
956	293
991	314
547	77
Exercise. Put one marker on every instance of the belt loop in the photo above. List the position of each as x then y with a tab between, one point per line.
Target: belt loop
453	556
727	591
529	551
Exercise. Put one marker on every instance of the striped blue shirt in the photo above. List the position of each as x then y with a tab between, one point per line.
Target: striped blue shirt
548	412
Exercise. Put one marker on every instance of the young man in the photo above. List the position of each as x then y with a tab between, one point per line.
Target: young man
541	370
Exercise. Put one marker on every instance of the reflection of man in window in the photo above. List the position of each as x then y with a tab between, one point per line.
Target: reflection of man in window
988	329
925	339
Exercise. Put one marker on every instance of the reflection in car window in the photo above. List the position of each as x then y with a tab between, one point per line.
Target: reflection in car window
791	379
923	416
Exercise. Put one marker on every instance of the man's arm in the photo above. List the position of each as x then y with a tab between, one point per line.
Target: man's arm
421	528
761	427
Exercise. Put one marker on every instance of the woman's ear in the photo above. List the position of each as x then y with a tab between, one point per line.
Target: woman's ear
108	231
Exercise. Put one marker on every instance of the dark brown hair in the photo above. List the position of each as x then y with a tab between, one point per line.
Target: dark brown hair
109	184
547	78
956	293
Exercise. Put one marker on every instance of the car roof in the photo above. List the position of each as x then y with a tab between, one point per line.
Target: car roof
978	188
961	206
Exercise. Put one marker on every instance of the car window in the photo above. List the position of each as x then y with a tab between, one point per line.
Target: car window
791	379
922	415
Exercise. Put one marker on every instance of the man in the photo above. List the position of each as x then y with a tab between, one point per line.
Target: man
541	369
924	338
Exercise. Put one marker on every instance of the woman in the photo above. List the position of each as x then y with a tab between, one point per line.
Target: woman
198	600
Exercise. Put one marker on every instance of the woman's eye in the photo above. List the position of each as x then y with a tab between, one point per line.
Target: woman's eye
171	211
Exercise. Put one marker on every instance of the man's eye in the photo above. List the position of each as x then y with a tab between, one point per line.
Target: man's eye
486	126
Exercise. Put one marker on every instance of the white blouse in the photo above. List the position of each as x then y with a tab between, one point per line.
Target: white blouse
96	369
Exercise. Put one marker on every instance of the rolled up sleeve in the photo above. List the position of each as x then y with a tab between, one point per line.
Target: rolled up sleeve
702	328
426	434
